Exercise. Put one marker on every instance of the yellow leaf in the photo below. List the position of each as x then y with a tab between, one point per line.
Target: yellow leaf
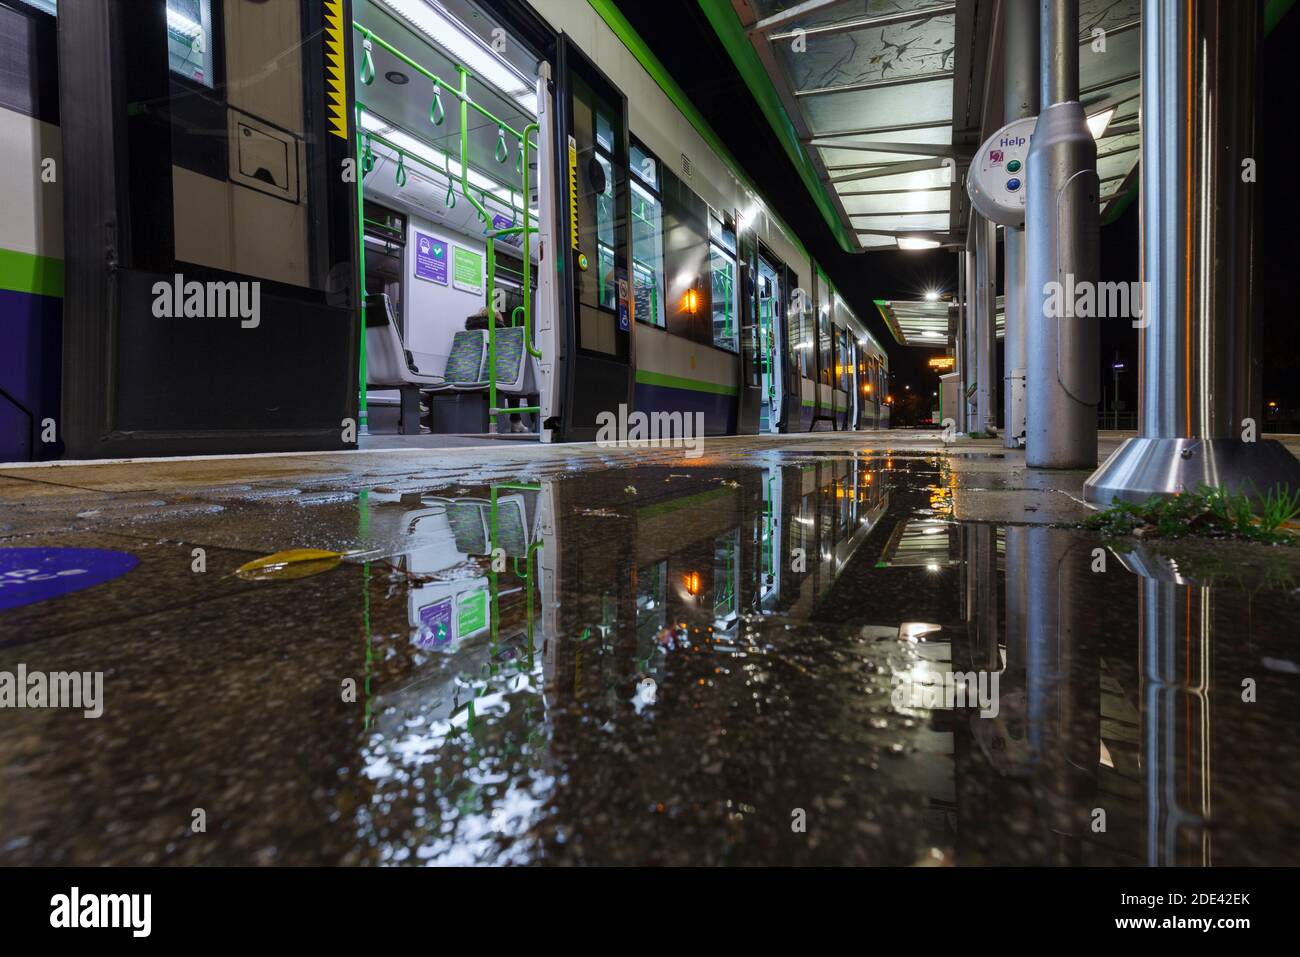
294	563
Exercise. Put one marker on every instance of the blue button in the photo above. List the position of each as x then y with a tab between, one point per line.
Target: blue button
1013	184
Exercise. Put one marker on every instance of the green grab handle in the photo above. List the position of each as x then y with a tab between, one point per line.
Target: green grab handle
436	112
367	64
501	152
401	169
367	157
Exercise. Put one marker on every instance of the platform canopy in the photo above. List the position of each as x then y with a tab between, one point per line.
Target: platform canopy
880	102
925	324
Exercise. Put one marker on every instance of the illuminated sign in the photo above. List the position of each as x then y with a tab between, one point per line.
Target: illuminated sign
943	363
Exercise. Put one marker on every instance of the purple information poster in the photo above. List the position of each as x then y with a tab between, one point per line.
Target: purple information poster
430	258
435	624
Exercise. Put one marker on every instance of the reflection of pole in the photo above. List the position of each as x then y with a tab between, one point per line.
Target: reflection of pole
986	600
1062	676
1176	638
1020	100
1014	560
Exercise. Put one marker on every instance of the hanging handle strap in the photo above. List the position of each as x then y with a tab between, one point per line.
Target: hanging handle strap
367	63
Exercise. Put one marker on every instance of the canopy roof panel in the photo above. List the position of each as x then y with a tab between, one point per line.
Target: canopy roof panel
891	98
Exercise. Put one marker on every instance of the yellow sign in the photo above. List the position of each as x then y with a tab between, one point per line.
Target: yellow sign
943	363
573	192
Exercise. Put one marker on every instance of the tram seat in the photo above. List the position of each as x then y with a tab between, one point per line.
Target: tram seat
390	366
515	375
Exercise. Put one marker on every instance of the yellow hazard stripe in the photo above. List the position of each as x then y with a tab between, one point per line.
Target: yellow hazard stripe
336	82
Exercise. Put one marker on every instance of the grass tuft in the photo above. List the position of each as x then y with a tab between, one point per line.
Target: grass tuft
1207	512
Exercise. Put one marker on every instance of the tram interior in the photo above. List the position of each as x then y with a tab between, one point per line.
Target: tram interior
425	233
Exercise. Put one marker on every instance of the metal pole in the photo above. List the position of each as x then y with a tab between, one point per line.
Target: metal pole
959	344
1020	100
969	329
1199	359
986	343
1061	224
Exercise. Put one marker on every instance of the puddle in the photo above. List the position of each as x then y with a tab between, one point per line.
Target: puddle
670	665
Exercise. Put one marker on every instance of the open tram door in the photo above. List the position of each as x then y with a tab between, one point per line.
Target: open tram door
750	415
595	295
210	300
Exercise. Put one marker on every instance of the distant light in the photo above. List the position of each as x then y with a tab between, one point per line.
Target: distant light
1098	122
912	243
932	295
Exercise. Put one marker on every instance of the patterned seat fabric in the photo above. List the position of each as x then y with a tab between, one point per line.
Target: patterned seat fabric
465	363
510	354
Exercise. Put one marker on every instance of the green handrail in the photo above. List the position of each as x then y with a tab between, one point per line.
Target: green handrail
428	74
461	91
362	423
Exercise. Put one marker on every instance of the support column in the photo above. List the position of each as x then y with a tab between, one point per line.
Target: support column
985	325
969	328
959	343
1020	100
1199	392
1061	251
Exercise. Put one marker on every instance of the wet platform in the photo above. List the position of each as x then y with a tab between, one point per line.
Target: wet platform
565	654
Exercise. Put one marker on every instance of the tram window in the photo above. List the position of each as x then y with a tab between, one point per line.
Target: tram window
647	254
722	267
799	332
189	39
644	166
605	233
824	342
689	294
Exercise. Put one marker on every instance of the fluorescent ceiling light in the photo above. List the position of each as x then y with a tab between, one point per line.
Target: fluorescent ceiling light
1098	121
930	333
179	23
466	49
909	242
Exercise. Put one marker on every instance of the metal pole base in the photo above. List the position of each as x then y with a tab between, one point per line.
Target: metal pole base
1143	467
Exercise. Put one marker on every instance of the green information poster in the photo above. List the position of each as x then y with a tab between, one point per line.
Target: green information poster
467	271
471	613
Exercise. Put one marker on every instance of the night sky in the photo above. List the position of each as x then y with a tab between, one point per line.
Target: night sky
682	38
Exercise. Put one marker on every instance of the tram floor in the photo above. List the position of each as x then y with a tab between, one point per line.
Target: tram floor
572	654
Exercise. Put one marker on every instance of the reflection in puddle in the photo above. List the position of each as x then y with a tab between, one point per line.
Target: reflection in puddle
808	662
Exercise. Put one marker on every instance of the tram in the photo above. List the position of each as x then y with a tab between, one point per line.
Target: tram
487	218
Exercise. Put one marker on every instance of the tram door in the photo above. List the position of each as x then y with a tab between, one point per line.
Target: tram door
749	416
209	227
599	367
770	299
